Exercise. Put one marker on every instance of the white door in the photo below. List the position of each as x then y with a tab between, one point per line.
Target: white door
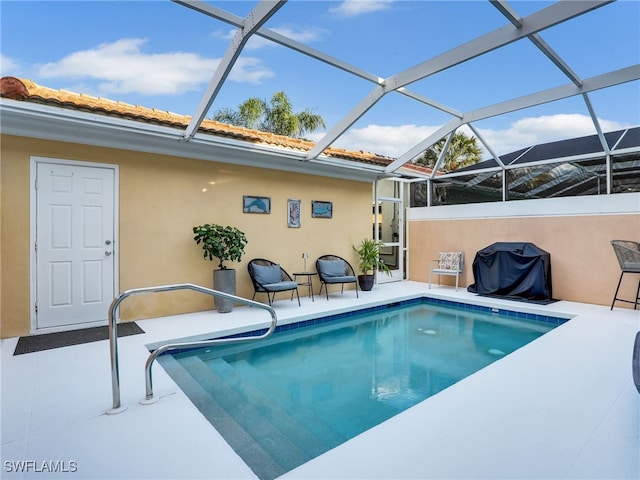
74	244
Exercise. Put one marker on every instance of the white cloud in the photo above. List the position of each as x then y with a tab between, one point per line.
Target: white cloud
303	35
387	140
299	34
249	70
547	128
8	66
353	8
394	141
122	67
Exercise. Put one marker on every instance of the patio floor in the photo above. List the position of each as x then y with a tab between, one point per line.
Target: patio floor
563	406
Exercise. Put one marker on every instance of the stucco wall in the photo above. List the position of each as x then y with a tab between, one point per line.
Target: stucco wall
583	264
14	246
160	199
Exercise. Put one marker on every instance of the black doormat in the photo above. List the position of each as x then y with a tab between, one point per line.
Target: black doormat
546	301
47	341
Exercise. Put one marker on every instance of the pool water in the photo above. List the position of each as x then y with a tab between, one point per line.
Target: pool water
285	400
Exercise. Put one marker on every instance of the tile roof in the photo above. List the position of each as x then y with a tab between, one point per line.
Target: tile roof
28	91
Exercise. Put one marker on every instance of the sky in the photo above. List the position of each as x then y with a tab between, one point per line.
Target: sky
159	54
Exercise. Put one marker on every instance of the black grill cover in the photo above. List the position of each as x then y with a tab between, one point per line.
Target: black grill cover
512	269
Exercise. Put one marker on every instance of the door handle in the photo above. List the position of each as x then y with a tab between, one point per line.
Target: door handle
107	252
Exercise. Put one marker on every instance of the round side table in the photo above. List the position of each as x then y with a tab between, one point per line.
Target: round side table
307	283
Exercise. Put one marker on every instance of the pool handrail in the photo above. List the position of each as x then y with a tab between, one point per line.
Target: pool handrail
113	334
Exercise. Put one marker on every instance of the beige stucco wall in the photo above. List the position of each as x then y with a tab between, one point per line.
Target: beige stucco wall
160	199
583	264
14	245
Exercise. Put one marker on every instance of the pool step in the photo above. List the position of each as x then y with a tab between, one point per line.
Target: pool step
258	459
321	416
310	419
281	415
259	433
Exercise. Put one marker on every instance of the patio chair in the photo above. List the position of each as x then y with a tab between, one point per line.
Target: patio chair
270	278
635	362
628	254
333	269
448	263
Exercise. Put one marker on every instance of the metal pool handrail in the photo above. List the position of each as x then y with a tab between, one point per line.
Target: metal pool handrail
113	334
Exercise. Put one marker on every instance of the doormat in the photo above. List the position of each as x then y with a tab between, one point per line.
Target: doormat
546	301
47	341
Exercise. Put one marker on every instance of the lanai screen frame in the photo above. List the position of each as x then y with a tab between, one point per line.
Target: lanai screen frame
518	28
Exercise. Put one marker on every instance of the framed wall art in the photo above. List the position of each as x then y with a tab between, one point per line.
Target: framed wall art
321	209
252	204
293	213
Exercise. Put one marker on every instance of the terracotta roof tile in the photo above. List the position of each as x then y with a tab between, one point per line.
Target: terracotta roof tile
29	91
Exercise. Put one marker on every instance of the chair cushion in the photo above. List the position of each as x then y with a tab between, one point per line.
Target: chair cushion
444	271
631	266
265	275
340	279
280	286
449	261
331	268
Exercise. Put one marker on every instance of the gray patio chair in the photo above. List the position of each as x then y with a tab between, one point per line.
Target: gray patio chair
332	270
635	362
628	254
270	278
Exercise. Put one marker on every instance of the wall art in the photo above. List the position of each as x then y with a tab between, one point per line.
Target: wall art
294	211
321	209
252	204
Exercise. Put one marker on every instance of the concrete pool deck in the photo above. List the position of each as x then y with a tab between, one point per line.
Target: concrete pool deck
564	406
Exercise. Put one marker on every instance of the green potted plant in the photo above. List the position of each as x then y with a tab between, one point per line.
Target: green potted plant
369	257
225	244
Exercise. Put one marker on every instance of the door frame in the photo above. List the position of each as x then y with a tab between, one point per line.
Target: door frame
33	277
398	274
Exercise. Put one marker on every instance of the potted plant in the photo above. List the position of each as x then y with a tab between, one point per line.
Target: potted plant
225	244
369	255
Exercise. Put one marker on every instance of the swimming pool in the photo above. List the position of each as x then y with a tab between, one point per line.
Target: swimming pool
314	385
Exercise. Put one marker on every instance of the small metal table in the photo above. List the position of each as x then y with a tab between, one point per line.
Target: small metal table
307	283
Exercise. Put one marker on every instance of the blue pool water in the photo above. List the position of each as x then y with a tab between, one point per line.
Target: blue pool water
285	400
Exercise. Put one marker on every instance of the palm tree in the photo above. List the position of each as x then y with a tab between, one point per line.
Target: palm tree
462	152
276	116
248	115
